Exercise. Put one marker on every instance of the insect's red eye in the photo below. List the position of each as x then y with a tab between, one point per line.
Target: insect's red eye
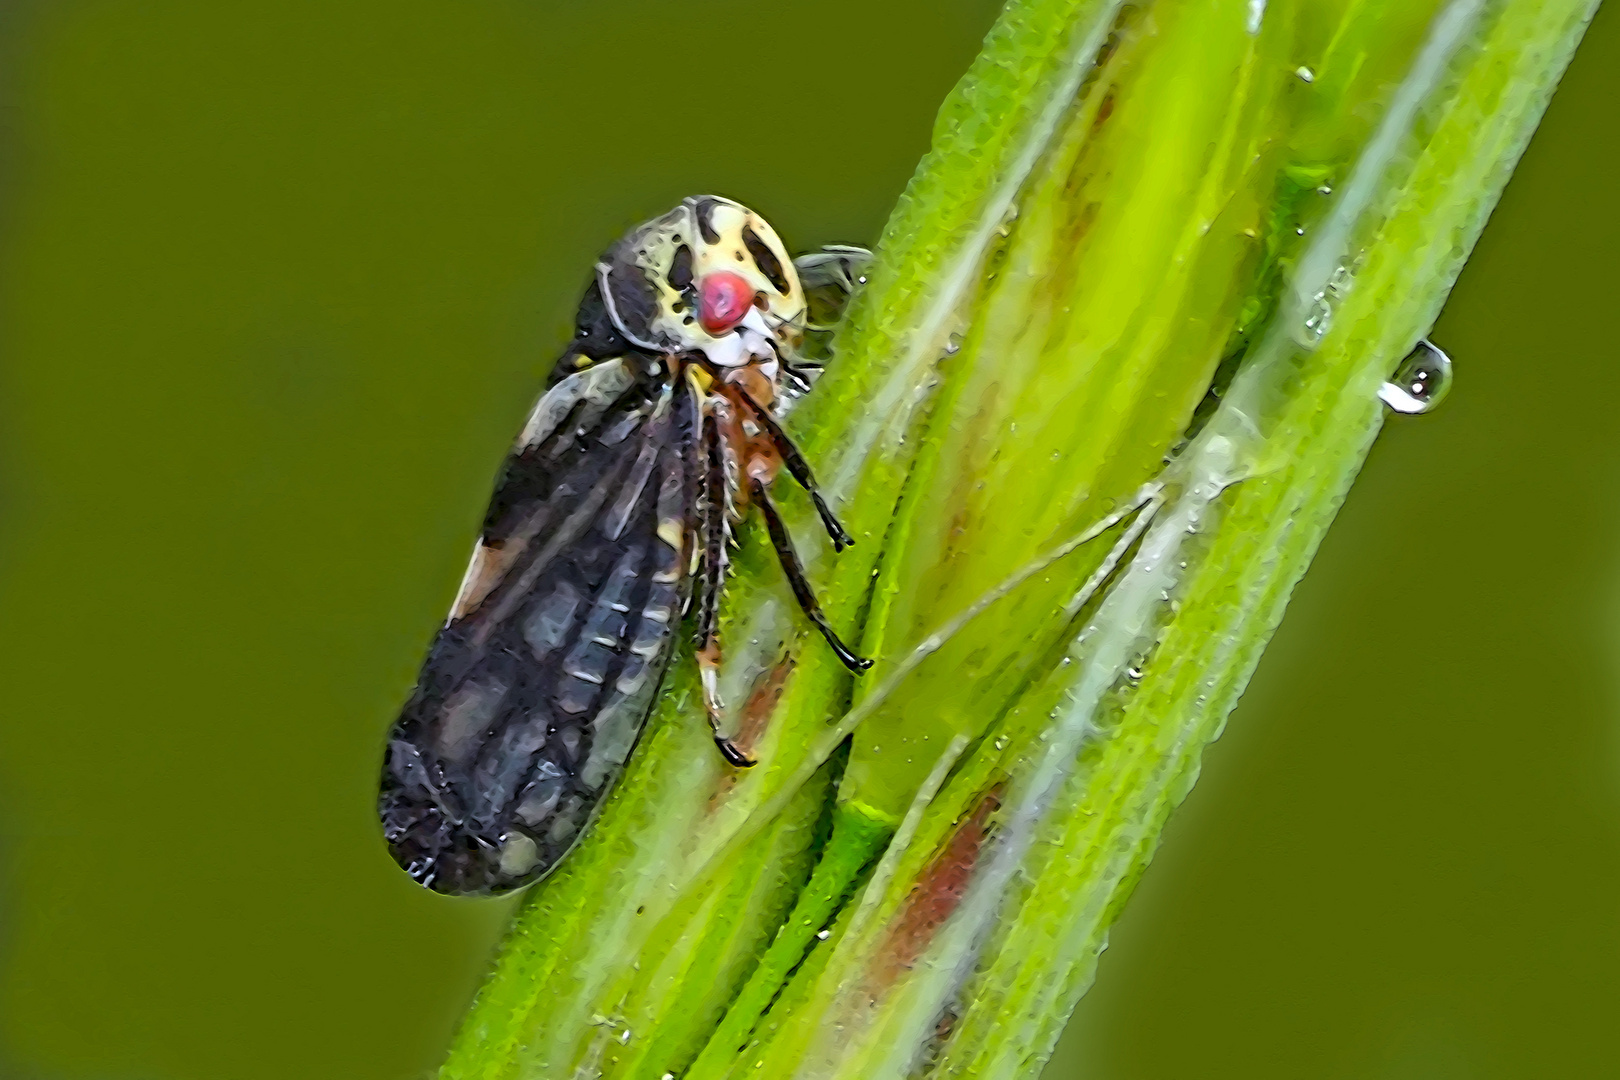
724	298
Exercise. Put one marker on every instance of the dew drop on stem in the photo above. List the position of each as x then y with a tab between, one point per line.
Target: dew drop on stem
1421	381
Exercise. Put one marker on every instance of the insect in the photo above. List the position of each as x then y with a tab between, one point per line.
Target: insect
610	522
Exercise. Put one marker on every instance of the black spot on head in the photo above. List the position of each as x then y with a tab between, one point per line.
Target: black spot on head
766	260
680	270
703	210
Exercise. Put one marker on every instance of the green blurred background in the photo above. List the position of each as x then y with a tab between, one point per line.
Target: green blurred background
277	283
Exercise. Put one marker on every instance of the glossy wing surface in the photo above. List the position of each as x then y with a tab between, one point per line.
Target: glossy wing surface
538	686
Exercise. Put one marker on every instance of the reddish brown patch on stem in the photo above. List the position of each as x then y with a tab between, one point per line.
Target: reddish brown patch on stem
756	715
763	700
1105	109
936	894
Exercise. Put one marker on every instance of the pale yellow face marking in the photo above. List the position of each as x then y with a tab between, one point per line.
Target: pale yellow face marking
729	220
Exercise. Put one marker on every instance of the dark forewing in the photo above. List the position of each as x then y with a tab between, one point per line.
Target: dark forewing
537	688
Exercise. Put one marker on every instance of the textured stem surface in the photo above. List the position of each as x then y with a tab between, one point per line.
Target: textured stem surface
1195	233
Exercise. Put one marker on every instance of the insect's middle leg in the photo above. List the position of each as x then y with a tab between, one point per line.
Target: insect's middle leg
711	540
800	470
803	592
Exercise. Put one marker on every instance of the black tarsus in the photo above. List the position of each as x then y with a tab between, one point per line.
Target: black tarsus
733	754
800	469
802	592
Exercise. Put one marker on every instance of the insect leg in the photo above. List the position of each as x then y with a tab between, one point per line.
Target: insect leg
802	591
800	468
712	539
800	375
708	671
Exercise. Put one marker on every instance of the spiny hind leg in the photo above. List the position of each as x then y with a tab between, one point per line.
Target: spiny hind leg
708	659
711	542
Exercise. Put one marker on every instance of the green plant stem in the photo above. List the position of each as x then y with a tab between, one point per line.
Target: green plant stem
1125	207
857	838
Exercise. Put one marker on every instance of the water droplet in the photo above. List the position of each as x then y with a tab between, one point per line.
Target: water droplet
1319	315
1421	382
1305	74
1001	742
953	344
1319	319
1133	673
824	935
